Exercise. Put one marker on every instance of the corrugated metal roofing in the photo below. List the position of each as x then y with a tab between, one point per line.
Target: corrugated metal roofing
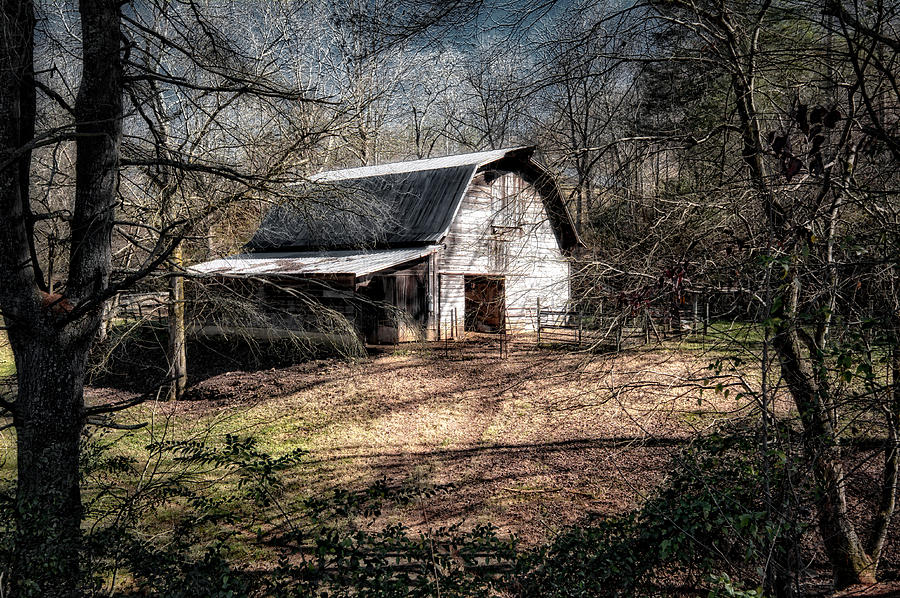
474	159
390	209
392	204
356	263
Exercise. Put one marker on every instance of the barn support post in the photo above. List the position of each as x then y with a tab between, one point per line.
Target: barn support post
177	352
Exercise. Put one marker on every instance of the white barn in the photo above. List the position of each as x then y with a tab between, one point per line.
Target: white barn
422	249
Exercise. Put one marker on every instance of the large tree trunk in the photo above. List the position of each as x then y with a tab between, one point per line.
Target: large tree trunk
48	419
49	338
846	552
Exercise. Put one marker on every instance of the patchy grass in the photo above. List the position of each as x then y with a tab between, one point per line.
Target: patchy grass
7	440
530	443
7	364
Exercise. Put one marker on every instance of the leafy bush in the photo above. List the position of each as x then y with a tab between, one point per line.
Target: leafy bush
709	515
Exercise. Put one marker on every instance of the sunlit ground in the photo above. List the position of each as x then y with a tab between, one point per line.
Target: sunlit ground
529	443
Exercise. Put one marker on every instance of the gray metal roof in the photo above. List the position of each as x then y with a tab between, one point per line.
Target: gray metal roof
474	159
389	205
356	263
392	209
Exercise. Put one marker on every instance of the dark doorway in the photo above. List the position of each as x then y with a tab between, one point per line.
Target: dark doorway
485	303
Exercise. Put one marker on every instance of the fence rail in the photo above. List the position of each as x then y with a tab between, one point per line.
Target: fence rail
617	330
144	306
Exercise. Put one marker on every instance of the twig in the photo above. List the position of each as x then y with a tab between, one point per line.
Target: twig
106	423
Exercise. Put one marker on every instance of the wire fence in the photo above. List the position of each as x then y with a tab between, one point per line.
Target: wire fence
142	306
619	329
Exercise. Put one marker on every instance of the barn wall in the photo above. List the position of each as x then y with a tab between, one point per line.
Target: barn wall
452	305
399	308
502	229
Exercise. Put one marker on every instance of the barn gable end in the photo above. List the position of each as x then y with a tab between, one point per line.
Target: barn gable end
502	232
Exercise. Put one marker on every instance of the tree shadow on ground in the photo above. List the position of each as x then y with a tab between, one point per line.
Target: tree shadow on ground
137	361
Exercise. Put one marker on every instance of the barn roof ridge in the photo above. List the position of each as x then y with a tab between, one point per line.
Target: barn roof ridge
476	159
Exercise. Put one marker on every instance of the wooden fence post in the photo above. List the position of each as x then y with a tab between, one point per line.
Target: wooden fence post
177	354
696	314
706	319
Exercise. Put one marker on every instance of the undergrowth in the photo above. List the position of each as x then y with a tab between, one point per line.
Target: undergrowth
184	529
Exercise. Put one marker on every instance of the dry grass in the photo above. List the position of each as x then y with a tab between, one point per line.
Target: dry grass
7	365
530	443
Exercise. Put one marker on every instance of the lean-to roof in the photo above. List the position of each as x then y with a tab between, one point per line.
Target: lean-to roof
357	263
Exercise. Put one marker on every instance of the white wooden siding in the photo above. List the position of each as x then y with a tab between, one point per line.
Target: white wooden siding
502	229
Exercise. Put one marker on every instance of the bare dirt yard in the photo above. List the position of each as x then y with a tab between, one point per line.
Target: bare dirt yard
529	442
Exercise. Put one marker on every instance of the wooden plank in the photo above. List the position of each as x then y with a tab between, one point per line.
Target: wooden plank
532	263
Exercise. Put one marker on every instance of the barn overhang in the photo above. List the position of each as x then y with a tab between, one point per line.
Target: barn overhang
356	263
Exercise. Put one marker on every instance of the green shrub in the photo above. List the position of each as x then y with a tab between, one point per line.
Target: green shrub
708	516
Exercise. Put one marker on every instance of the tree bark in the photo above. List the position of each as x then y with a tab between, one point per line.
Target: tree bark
849	560
50	340
48	419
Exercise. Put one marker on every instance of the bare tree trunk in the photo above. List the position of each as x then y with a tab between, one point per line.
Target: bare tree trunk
850	562
49	340
49	365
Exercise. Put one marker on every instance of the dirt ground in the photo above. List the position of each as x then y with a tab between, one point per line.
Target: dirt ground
530	442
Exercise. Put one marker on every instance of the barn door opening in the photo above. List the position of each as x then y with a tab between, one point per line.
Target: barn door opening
485	303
